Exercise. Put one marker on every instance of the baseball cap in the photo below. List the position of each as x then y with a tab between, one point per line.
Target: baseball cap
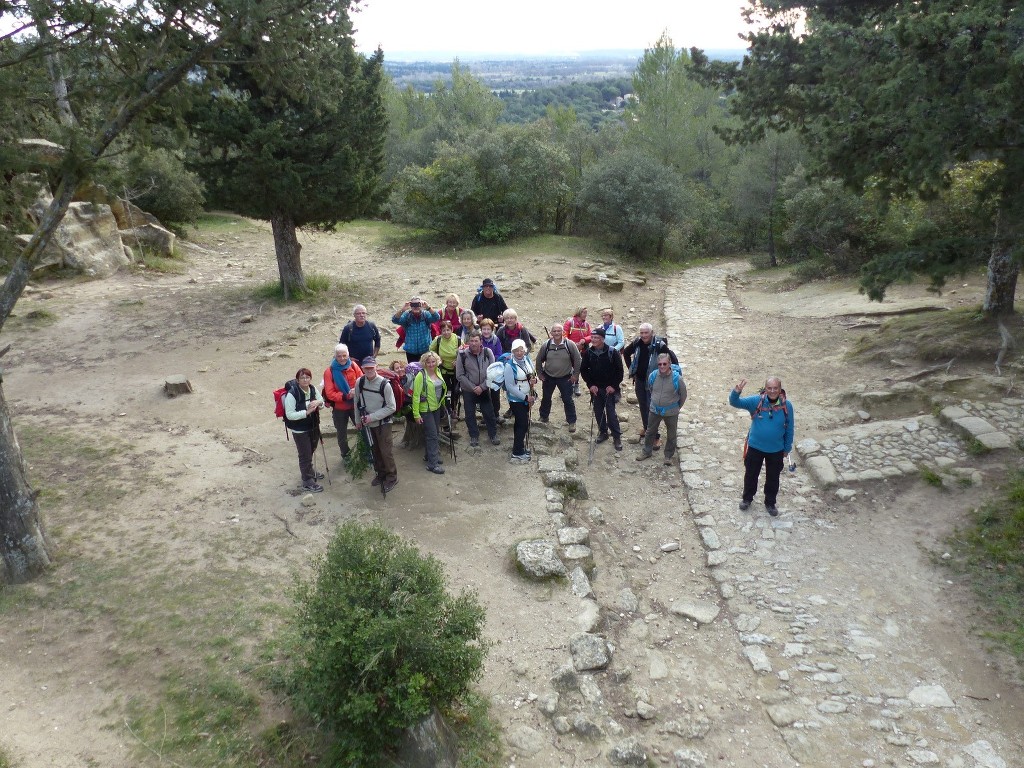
598	332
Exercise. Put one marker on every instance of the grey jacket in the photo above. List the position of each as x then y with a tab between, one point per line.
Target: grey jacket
471	370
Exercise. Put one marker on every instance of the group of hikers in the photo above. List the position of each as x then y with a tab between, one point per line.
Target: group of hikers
462	360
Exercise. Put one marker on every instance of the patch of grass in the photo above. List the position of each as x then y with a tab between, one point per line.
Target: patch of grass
479	737
219	222
1020	443
203	719
318	288
990	551
153	262
5	760
931	477
964	334
977	448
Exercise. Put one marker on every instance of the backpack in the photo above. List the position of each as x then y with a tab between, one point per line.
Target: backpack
279	399
496	371
761	406
396	386
677	375
634	362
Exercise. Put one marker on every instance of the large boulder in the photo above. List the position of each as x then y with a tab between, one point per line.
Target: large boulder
87	240
150	237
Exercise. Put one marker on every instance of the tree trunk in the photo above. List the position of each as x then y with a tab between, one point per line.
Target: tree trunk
287	247
24	550
1002	281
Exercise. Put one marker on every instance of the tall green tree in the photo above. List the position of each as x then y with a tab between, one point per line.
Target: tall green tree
673	117
893	94
297	140
108	65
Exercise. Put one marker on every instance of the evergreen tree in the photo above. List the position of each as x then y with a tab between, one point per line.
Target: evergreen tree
296	136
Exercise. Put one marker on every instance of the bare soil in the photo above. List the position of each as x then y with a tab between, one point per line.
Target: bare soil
178	527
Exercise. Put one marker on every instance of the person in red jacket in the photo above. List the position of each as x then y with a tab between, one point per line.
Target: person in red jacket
339	386
578	331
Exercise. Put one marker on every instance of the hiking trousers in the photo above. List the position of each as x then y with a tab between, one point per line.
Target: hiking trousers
341	421
565	391
383	452
654	420
773	469
304	445
431	436
471	400
604	412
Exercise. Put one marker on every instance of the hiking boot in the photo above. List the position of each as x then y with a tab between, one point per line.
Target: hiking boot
474	443
312	486
657	444
495	440
376	481
318	475
439	461
772	510
572	427
543	419
618	443
436	470
519	458
643	457
389	485
668	461
744	506
601	438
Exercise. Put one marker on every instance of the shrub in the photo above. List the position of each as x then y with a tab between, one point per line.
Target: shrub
381	642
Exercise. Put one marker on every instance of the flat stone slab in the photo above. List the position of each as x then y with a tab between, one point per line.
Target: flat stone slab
568	536
551	464
931	696
701	611
822	469
974	426
995	441
953	412
758	659
539	559
580	583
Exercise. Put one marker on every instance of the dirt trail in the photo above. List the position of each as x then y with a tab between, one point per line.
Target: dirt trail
194	528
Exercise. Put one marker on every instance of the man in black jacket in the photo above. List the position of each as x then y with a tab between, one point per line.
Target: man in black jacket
603	373
640	355
488	303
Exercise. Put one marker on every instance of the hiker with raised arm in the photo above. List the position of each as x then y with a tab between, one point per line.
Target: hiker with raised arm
375	404
667	394
416	317
640	356
769	439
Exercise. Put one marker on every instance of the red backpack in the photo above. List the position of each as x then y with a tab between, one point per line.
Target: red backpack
395	381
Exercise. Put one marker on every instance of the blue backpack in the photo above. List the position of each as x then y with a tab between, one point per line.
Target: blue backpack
496	371
677	374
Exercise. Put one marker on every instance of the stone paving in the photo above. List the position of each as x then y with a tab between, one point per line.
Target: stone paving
852	688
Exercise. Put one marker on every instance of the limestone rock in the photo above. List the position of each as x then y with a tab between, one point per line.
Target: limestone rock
567	536
580	583
701	611
526	741
822	469
985	755
537	559
428	744
87	241
588	651
690	758
628	752
151	237
931	696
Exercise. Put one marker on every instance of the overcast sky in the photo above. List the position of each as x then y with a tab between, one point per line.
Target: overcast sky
544	26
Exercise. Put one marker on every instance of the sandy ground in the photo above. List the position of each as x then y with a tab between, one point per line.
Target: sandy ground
196	501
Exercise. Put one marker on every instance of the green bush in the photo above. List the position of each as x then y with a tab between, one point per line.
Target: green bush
381	641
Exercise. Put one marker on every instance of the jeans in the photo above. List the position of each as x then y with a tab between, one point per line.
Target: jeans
521	415
773	469
471	400
604	412
431	431
671	424
564	386
643	399
341	421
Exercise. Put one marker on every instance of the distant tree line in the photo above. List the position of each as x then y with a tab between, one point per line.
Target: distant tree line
593	102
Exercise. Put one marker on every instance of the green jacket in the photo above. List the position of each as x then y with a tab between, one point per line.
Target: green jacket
424	396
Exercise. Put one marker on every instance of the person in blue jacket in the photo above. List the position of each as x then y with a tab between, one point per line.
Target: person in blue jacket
769	441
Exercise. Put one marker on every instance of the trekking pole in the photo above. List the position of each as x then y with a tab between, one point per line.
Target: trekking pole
327	469
593	418
451	437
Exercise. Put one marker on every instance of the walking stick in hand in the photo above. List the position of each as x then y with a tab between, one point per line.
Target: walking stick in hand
593	417
451	437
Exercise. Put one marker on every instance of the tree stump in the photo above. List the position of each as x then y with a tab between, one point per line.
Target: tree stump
413	437
177	385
